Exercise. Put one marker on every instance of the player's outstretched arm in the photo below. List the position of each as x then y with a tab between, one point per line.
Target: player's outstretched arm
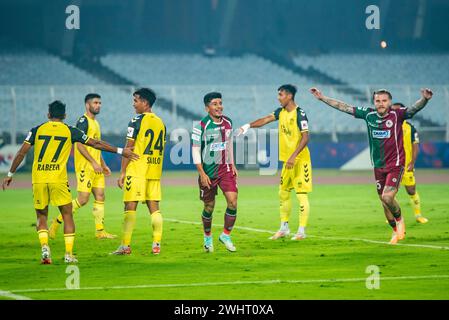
101	145
426	95
20	155
336	104
256	124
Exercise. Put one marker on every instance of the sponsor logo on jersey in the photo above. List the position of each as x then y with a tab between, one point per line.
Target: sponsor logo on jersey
218	146
389	123
381	134
82	119
195	137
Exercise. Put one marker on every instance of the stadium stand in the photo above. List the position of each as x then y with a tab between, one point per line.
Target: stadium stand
402	74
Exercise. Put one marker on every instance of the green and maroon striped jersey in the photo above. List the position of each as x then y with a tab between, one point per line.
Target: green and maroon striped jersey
215	140
385	136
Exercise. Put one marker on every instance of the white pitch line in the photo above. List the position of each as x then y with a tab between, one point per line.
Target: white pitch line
9	294
428	246
233	283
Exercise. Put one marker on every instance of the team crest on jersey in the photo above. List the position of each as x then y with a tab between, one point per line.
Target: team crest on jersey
389	123
304	125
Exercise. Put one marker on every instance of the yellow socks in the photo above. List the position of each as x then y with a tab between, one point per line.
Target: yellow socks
128	226
304	209
156	222
286	205
75	206
416	203
98	212
43	237
69	238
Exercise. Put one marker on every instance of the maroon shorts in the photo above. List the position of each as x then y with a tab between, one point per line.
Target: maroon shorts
227	183
390	177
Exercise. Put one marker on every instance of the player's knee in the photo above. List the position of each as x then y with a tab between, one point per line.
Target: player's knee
209	207
411	190
284	195
232	204
387	198
84	200
100	197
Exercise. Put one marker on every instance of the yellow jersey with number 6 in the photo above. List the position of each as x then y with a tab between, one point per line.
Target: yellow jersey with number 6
148	132
91	128
52	143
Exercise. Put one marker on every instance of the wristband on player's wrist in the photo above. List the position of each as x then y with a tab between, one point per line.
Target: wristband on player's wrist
246	127
10	174
120	150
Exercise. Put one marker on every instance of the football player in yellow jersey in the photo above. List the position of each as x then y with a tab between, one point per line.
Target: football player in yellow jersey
140	180
90	170
294	153
52	143
411	149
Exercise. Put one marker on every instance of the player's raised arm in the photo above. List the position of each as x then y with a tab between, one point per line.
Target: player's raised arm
257	124
336	104
426	95
20	155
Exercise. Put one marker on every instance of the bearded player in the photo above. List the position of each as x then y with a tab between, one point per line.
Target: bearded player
212	153
90	170
386	145
294	153
411	149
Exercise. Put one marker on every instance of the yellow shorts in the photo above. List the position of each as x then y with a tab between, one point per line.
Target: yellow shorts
298	178
141	189
57	194
408	179
88	179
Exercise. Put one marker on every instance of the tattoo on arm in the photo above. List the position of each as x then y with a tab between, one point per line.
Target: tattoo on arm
421	103
339	105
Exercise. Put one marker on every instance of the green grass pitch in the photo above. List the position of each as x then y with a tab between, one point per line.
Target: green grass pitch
330	264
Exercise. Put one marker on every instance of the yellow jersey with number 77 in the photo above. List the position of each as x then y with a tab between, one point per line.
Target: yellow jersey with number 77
52	143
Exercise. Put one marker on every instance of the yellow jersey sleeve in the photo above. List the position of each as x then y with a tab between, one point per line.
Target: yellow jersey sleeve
302	121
